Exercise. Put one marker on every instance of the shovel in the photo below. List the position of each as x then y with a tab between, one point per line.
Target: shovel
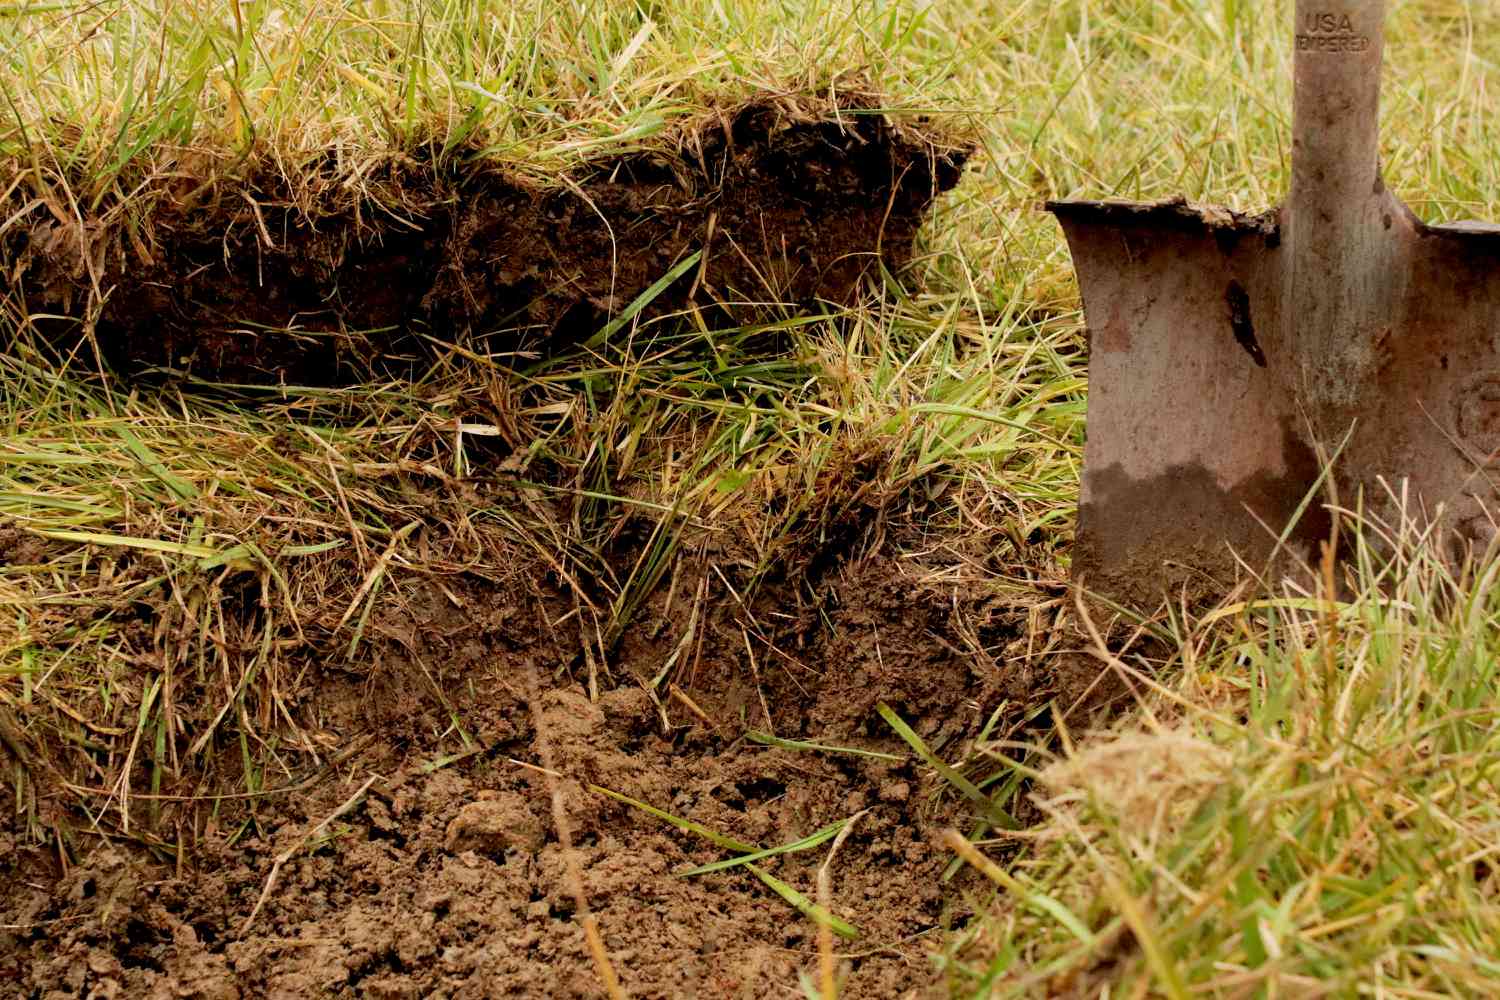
1231	355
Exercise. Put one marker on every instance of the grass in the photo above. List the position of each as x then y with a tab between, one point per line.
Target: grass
1304	799
1308	806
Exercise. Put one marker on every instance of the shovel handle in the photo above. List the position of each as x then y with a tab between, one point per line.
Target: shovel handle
1336	106
1339	217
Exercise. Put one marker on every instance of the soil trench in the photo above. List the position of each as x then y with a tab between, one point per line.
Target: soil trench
447	878
402	840
323	276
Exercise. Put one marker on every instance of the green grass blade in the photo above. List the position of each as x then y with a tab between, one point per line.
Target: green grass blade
766	739
718	839
130	542
805	906
643	300
993	812
184	489
810	841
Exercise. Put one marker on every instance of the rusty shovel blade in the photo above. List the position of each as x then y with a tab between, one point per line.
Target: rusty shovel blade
1225	350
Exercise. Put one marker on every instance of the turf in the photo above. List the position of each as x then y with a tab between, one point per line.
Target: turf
1303	799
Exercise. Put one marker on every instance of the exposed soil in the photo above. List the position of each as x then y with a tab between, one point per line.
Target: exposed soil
406	841
319	274
451	880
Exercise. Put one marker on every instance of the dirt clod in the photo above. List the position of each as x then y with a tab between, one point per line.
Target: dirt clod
494	824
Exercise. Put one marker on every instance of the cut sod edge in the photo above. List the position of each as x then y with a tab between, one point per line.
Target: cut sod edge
320	274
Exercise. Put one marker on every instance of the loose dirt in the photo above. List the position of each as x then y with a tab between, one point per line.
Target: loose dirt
325	272
446	878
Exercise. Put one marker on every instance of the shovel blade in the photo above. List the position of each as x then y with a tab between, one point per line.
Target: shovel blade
1193	460
1426	444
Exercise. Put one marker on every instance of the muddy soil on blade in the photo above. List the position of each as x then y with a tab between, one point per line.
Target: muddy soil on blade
448	878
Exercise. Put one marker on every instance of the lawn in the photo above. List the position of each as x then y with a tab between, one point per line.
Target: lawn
433	642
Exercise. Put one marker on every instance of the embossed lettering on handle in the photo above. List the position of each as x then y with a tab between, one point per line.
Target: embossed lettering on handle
1329	31
1342	278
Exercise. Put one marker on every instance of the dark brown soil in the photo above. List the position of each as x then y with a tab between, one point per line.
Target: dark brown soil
320	274
447	878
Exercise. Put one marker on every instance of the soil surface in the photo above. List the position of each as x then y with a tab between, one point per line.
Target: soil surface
329	271
414	865
432	817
